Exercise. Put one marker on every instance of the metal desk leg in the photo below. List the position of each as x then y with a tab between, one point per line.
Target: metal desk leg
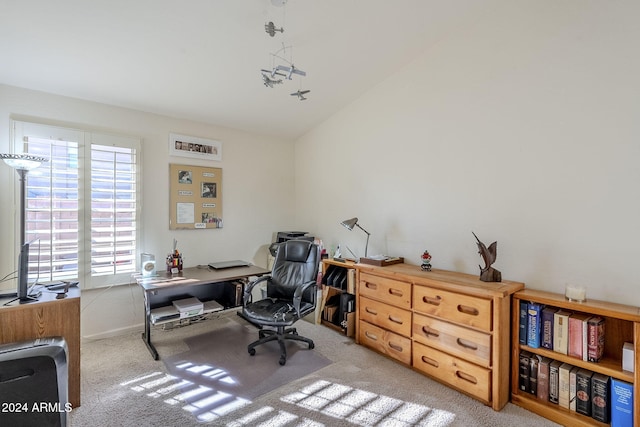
146	335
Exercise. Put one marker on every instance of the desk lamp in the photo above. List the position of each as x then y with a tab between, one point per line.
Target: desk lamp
353	222
22	163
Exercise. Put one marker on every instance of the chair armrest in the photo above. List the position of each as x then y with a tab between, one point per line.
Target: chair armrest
249	287
297	295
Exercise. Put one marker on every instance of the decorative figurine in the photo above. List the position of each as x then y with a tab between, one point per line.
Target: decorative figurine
426	261
488	273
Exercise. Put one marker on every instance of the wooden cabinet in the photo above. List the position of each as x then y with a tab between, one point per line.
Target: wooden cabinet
45	318
337	304
449	326
622	324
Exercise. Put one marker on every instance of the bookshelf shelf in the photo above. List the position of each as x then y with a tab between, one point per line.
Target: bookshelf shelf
622	324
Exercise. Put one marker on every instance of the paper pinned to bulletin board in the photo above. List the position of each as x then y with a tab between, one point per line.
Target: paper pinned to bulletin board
195	198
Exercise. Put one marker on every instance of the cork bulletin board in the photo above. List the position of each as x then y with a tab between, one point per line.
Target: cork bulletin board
195	197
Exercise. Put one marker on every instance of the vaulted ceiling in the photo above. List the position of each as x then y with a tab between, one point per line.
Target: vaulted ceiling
201	59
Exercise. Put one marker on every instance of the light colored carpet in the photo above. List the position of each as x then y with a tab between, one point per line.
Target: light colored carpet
122	385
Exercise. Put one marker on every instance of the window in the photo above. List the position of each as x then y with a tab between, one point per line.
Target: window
83	204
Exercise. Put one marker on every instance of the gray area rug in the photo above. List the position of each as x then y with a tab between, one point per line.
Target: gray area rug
218	361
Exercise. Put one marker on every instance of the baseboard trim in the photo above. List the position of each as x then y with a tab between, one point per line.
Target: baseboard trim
113	333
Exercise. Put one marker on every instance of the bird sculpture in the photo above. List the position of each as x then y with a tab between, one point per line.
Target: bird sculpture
488	273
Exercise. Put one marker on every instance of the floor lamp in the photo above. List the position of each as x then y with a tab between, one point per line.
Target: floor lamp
22	163
353	222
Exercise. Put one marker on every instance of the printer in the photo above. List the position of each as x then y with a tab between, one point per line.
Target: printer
283	236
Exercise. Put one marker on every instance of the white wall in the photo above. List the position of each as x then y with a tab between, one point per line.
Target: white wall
522	127
257	193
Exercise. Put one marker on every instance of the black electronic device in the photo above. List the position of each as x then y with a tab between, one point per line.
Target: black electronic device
57	286
34	383
283	236
26	293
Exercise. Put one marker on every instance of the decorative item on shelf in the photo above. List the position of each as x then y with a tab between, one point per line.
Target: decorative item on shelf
174	260
488	273
575	293
147	264
426	261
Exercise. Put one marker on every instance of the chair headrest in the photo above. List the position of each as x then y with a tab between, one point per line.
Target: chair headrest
297	250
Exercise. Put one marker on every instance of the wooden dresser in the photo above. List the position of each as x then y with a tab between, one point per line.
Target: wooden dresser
450	326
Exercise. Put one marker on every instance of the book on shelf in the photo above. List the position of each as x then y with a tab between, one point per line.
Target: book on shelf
575	347
524	377
554	377
543	377
533	323
522	327
583	392
563	385
533	375
621	403
600	401
546	340
585	339
595	345
572	388
561	331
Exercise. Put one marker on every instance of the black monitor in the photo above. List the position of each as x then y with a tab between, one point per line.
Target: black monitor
25	292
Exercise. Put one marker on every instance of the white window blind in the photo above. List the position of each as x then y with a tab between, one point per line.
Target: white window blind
83	204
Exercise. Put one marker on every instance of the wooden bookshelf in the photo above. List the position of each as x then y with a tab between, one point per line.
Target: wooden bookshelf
622	324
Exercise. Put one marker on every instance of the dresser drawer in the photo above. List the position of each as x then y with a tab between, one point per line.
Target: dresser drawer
390	291
385	342
387	316
469	344
458	308
464	376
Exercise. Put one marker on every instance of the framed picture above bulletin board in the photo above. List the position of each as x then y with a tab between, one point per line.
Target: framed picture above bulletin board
195	197
196	148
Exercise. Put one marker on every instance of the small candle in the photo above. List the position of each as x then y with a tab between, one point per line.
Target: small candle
575	293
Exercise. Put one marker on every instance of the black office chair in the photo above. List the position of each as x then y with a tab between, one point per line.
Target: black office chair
291	295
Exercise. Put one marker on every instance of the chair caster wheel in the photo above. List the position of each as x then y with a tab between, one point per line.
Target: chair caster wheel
252	351
311	345
282	361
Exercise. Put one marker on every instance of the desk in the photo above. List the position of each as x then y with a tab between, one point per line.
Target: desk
47	317
203	283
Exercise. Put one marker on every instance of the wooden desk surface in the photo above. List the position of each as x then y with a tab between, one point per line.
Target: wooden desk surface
47	317
197	275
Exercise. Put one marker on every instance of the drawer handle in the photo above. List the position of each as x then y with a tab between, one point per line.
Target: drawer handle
396	292
396	320
372	286
430	332
371	311
371	336
466	344
430	361
466	377
432	301
468	310
395	347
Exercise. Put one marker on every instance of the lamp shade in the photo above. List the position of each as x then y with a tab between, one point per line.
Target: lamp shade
22	161
349	223
353	222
